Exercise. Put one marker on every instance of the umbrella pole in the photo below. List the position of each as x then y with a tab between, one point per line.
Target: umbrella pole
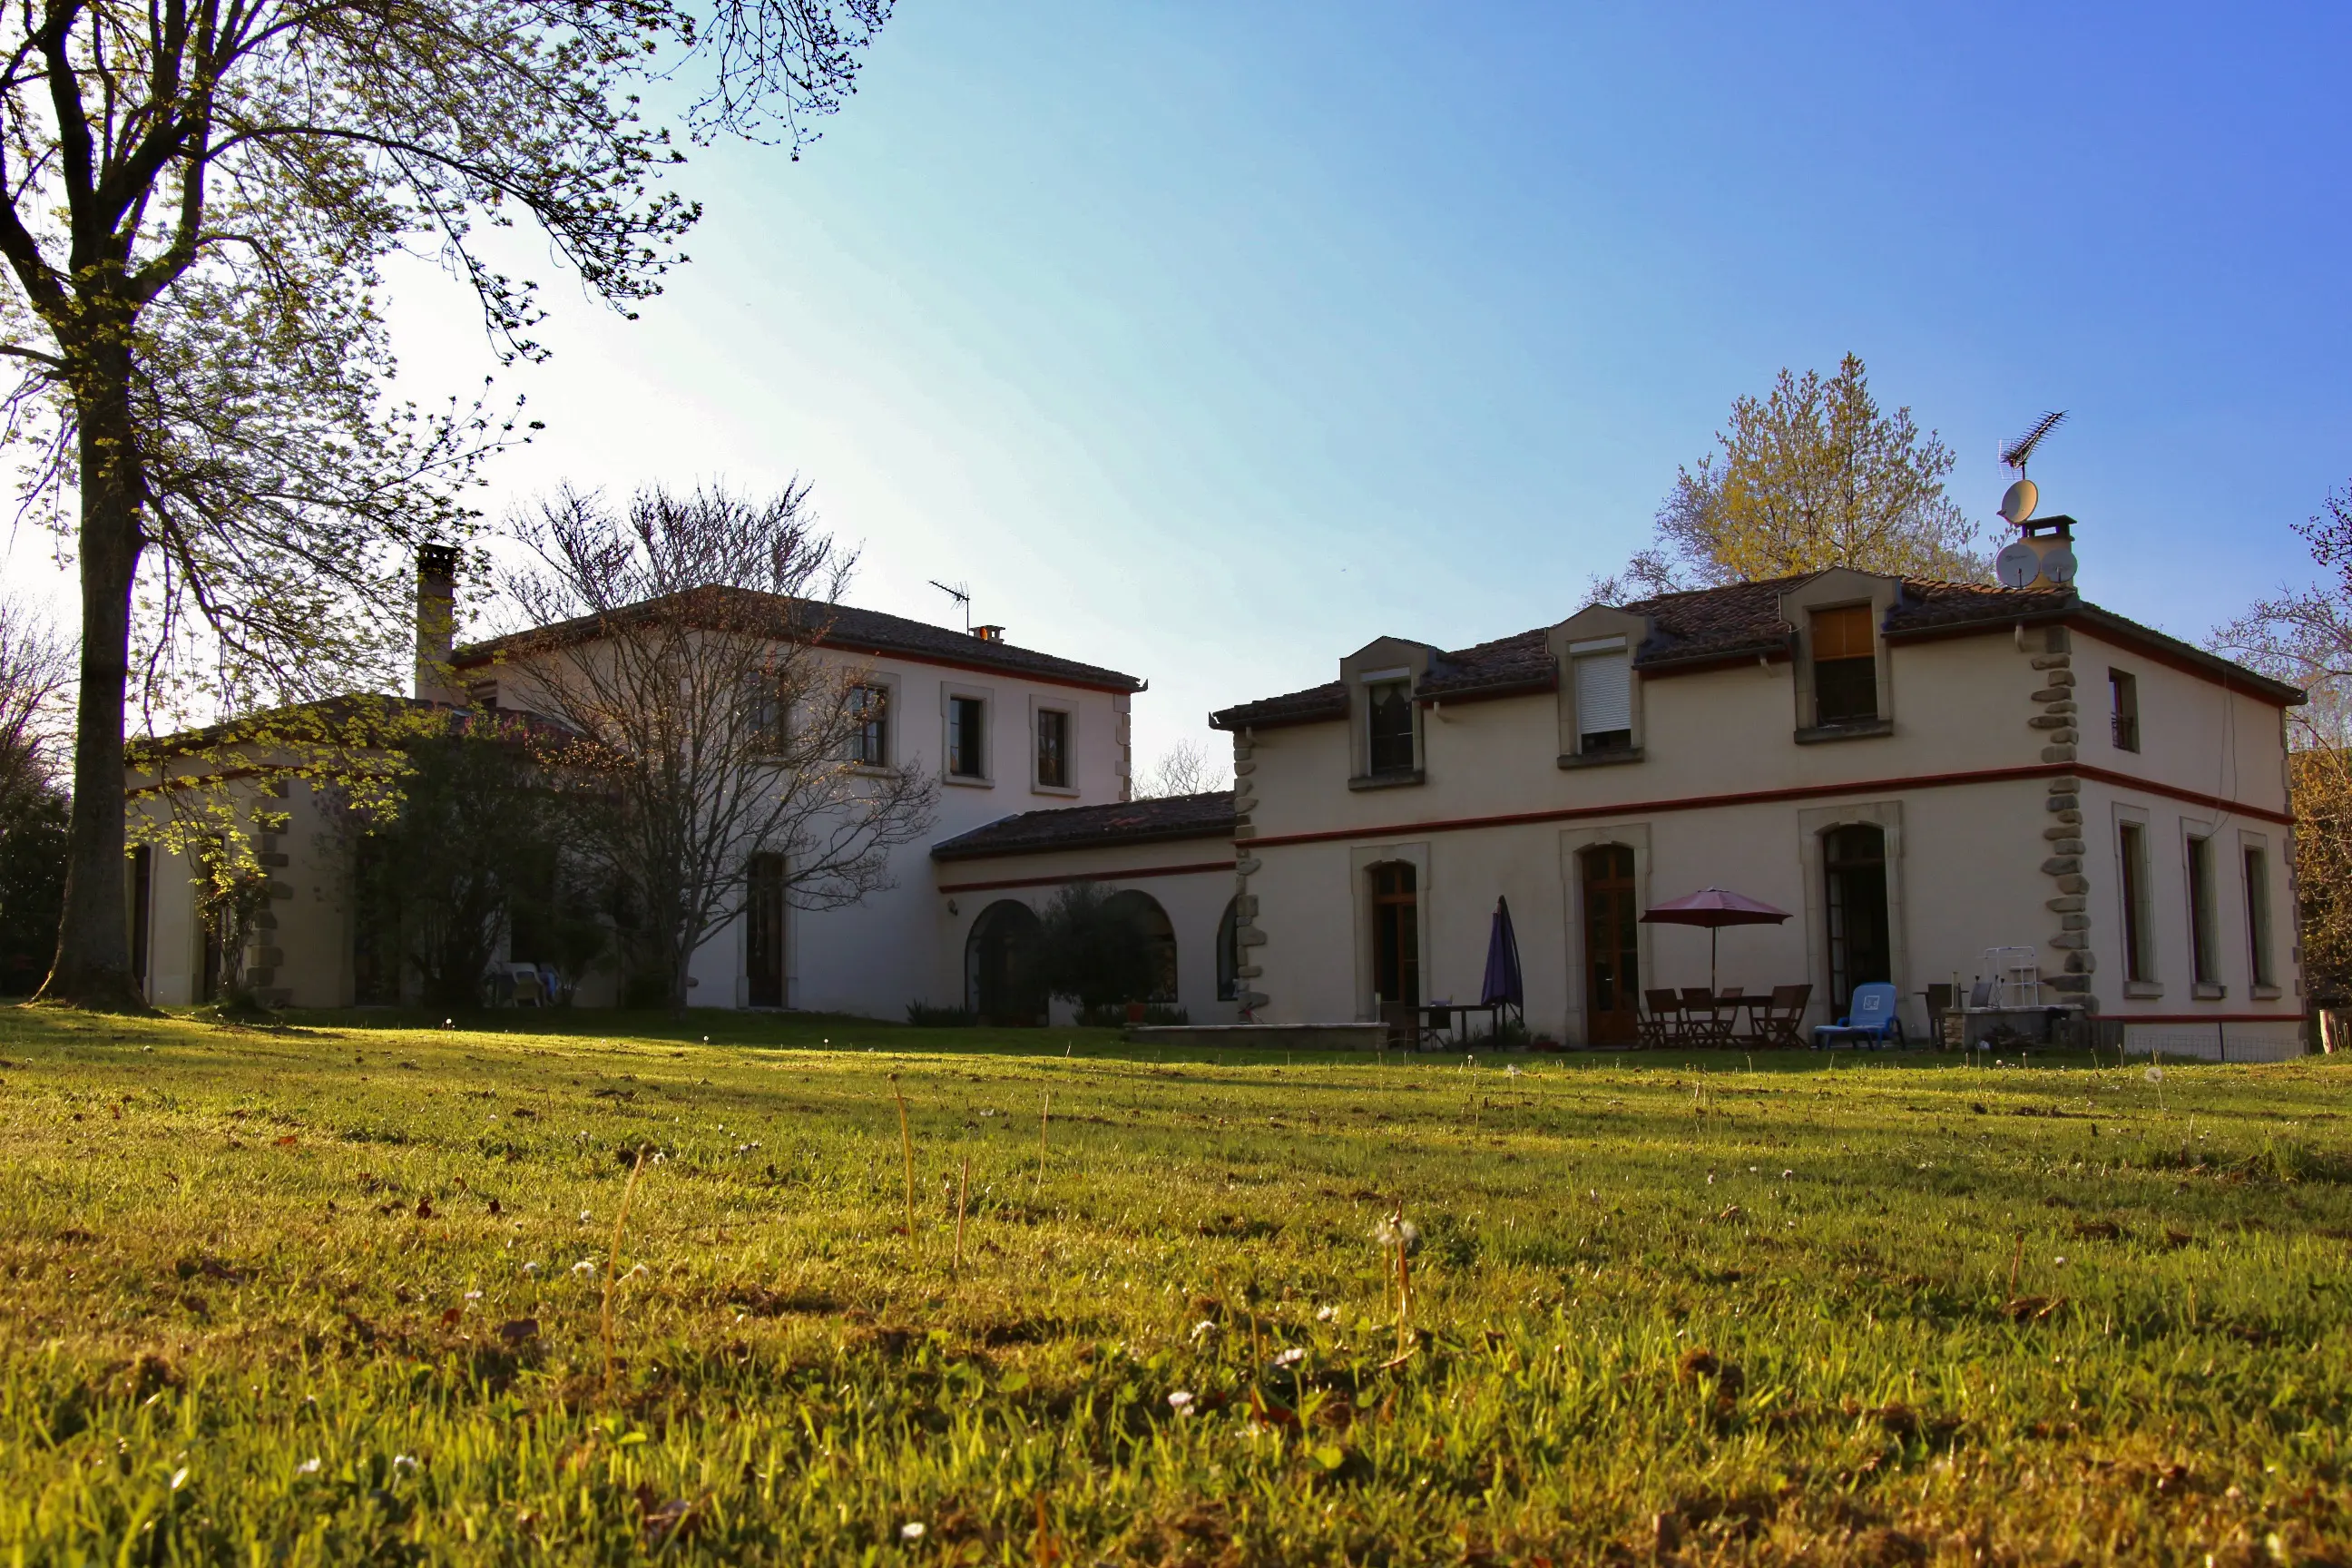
1712	933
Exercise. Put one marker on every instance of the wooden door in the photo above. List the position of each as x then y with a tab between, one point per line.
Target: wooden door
1612	964
763	932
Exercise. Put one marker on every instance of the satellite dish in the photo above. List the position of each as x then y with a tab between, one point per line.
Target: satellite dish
2059	565
2017	565
2017	502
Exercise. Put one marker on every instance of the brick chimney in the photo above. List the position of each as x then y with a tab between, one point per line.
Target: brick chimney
437	623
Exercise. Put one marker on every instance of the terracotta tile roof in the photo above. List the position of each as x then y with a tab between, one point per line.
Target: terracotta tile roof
1740	620
1207	816
843	627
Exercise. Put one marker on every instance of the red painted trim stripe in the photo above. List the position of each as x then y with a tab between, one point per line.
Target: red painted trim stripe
1766	797
1200	865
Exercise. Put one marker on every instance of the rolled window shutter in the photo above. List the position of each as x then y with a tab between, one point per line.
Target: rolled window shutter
1604	694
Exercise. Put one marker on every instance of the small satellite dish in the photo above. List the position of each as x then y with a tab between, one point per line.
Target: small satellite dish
2017	565
2017	502
2059	565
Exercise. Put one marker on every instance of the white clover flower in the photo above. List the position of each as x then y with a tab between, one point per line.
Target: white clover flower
404	1461
1290	1356
2155	1075
583	1267
913	1528
473	1295
1179	1399
1325	1315
307	1467
1202	1329
583	1216
531	1269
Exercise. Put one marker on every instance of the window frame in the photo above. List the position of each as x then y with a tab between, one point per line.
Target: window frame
885	691
1839	588
949	695
2134	870
1400	684
1580	657
1042	709
2123	711
1845	666
2261	936
2202	893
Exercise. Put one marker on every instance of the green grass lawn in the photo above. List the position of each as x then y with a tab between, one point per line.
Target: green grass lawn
336	1293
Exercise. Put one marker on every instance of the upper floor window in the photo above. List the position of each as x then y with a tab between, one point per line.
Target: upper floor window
1845	666
966	737
869	726
1389	708
2123	703
1604	702
1053	748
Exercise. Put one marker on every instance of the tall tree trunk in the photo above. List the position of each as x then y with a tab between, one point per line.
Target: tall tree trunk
93	963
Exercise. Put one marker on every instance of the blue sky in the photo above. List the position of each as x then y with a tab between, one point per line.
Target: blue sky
1209	341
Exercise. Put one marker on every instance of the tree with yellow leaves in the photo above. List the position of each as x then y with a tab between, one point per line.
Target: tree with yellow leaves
1810	477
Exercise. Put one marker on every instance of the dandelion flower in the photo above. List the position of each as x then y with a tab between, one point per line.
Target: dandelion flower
2155	1075
1179	1399
404	1461
583	1216
1398	1233
1291	1356
531	1269
583	1267
912	1530
307	1467
1202	1329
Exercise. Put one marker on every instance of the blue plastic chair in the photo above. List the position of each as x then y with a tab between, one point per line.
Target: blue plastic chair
1871	1018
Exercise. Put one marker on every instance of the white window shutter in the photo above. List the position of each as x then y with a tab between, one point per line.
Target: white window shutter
1604	694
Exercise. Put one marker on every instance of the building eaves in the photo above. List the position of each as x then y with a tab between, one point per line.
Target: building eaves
841	627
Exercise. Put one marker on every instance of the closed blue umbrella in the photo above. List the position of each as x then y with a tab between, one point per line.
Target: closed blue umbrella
1503	984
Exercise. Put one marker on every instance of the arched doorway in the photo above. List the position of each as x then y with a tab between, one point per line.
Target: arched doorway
1612	959
1396	933
1159	933
1000	978
1854	867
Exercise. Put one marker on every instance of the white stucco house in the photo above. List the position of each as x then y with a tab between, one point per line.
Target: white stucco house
1918	771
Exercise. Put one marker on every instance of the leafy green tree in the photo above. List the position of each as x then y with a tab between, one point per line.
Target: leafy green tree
471	853
35	670
195	197
1810	476
1092	951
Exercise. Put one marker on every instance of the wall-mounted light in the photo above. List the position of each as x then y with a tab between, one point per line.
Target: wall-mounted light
951	907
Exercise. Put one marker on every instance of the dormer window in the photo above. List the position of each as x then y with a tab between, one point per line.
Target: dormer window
1604	698
1845	666
1388	726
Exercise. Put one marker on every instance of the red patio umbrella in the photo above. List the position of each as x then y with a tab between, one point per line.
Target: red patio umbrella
1714	908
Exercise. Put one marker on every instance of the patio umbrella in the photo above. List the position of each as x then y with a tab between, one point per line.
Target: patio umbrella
1714	908
1503	984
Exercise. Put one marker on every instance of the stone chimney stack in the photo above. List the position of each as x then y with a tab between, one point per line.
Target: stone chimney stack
437	623
2053	540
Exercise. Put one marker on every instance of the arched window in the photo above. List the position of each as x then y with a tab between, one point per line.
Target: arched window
1229	952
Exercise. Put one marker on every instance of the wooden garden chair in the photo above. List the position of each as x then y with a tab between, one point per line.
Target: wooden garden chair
1662	1019
1777	1021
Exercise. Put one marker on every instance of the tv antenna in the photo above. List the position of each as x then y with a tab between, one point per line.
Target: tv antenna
961	594
2017	503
